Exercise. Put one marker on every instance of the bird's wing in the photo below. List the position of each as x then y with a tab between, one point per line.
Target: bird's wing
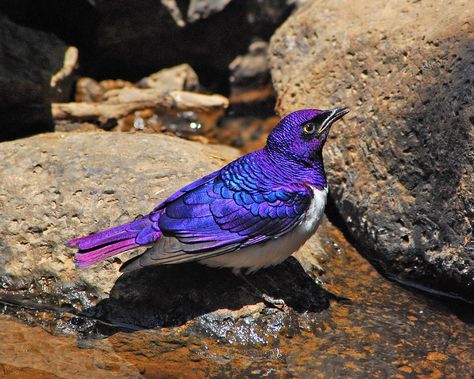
238	206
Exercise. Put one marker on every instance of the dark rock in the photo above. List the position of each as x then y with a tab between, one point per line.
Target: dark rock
401	167
189	320
35	69
133	39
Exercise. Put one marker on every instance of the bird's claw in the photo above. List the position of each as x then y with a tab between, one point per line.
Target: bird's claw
275	303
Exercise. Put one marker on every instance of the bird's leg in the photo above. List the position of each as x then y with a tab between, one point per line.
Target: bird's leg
267	299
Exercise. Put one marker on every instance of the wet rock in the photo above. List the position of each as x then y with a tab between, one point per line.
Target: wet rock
36	68
43	348
400	167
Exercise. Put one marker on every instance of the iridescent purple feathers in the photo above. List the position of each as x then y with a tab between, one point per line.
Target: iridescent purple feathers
255	199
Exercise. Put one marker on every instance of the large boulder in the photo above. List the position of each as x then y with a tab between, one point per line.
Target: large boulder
35	69
57	186
401	166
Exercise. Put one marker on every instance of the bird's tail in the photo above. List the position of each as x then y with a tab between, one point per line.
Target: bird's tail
110	242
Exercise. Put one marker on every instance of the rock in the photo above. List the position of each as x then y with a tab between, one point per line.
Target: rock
73	184
130	40
158	103
401	166
207	35
251	114
35	69
202	9
62	82
89	90
178	78
250	76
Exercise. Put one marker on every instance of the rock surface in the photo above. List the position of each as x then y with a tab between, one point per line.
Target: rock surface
250	80
35	69
57	186
401	166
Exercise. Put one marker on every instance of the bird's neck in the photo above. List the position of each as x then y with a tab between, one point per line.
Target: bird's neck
310	172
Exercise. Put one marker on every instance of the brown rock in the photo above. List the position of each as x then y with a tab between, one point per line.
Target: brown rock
58	186
120	105
383	330
401	167
88	90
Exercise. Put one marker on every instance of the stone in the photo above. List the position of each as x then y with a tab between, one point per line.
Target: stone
158	103
250	79
400	166
177	78
89	90
340	316
36	68
371	328
202	9
56	186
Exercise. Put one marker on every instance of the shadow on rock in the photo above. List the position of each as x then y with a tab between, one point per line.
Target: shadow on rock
171	295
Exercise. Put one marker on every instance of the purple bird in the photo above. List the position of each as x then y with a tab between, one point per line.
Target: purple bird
253	213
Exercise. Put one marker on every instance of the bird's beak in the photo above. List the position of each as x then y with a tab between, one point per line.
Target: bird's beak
333	115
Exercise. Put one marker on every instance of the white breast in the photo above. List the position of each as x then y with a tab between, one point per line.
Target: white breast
275	251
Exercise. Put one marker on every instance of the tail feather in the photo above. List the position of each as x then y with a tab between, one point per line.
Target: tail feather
84	259
102	245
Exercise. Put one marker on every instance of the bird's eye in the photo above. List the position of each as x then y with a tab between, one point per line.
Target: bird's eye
309	128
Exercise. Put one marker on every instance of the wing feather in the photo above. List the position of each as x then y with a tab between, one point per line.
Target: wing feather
238	206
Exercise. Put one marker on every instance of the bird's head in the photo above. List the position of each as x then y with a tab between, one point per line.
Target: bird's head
301	135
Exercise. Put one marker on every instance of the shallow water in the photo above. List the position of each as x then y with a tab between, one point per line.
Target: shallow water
369	327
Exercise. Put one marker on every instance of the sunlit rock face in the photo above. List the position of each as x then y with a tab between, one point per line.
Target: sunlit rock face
400	168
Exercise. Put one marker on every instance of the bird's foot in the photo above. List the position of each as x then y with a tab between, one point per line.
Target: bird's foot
267	299
275	303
